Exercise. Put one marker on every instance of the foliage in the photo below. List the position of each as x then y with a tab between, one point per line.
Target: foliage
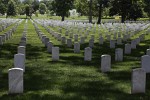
128	9
135	10
35	5
147	7
2	8
11	11
28	10
62	7
42	8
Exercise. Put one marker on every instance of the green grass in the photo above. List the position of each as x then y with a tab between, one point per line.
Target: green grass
70	78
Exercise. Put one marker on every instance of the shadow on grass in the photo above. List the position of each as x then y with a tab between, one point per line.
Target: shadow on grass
50	82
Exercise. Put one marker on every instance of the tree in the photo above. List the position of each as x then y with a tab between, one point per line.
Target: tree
11	11
28	2
82	6
21	9
120	7
35	5
42	8
101	5
147	7
62	7
128	9
135	11
2	8
28	10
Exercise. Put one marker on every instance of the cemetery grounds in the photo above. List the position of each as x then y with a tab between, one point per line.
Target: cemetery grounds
71	78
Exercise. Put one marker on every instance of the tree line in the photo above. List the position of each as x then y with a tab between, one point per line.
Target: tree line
127	9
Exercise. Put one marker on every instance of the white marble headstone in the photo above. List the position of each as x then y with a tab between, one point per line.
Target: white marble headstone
15	80
138	81
87	54
105	63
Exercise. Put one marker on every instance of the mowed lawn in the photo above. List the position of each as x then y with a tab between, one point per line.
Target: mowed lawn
70	78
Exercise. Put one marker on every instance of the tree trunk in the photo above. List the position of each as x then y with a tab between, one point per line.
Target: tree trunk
122	18
99	14
135	19
90	11
63	18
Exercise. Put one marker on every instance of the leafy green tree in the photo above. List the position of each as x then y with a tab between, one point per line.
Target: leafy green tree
82	7
147	7
21	9
29	2
101	4
28	10
135	11
35	5
11	11
62	7
128	9
42	8
2	8
120	7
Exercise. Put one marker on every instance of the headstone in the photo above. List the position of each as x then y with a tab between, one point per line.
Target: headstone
105	63
75	37
66	33
63	40
119	41
55	53
69	43
142	37
82	40
112	43
70	35
3	37
91	43
15	80
87	54
137	41
133	44
23	39
148	52
127	49
76	47
19	61
46	40
22	43
101	40
59	36
22	50
43	38
49	47
138	81
145	63
119	54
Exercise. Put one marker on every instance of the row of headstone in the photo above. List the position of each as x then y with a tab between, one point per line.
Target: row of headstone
64	25
112	44
6	23
46	41
6	36
139	74
15	76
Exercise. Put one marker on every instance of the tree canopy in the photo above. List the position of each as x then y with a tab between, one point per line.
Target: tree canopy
127	9
62	7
